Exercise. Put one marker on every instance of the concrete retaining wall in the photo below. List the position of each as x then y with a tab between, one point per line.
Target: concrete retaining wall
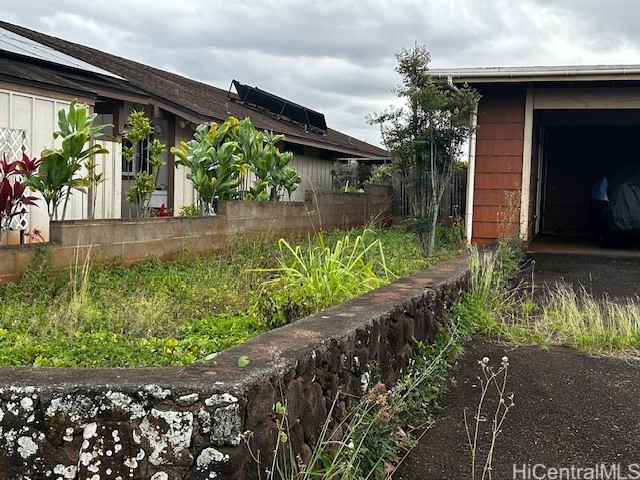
134	240
187	422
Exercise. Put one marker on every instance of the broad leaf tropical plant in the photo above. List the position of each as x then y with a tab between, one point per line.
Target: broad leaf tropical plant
269	165
220	156
215	167
13	191
59	171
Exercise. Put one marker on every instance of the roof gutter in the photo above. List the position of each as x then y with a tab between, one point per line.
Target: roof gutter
540	73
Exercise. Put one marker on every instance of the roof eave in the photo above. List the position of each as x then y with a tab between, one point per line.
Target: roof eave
538	74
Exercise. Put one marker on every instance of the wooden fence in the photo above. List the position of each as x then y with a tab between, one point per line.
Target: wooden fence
453	202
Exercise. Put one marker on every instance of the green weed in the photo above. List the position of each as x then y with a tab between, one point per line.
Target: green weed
311	278
107	315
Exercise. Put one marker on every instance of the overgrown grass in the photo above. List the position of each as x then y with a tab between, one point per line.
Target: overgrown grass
158	314
309	278
560	315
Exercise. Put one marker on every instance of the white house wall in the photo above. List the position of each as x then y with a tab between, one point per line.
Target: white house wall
37	115
315	174
183	193
109	192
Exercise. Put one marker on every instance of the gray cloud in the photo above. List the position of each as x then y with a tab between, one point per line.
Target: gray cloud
337	56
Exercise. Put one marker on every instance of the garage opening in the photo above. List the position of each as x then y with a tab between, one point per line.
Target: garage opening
576	149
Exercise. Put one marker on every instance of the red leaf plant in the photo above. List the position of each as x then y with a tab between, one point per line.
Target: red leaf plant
12	189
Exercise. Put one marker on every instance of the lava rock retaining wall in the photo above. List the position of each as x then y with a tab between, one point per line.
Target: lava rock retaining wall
188	422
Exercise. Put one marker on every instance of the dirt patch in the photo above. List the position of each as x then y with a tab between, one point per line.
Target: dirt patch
571	409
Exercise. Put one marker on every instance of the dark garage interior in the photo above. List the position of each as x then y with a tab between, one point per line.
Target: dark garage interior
579	148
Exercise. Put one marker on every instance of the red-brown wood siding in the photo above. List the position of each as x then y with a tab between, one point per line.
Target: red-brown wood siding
498	164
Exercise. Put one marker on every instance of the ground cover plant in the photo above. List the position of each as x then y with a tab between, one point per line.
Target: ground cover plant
160	314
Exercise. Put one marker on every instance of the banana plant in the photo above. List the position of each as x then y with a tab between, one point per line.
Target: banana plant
58	173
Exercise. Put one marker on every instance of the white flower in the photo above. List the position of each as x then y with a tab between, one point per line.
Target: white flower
485	360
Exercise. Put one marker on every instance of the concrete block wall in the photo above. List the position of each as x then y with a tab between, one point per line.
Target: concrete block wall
135	240
188	422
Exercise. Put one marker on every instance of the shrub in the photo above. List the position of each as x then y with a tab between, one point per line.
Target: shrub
310	279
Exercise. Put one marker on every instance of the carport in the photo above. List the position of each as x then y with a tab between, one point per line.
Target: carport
546	135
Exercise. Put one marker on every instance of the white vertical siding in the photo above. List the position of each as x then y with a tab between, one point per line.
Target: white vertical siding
22	114
184	193
5	109
315	174
37	115
109	193
45	122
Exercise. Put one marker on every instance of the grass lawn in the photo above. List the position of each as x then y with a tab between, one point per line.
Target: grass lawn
161	314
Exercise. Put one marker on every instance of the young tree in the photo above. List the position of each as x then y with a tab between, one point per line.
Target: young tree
138	130
425	136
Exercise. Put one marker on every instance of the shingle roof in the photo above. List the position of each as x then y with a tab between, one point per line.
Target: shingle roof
189	98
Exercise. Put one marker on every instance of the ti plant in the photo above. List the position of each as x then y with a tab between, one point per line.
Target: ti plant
13	189
95	178
58	174
215	168
138	130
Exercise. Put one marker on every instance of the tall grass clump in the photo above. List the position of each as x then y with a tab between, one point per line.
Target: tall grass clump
490	295
557	315
575	318
309	279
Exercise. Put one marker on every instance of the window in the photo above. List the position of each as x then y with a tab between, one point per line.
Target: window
140	161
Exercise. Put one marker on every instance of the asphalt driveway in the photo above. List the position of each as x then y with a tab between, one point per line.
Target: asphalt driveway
616	276
571	410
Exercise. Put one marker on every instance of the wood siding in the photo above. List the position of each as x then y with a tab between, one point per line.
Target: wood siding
314	172
109	192
184	193
498	165
38	116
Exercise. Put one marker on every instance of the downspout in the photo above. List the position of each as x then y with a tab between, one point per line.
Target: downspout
471	170
527	152
471	174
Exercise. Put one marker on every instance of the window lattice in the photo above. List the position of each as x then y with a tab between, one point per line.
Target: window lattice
13	142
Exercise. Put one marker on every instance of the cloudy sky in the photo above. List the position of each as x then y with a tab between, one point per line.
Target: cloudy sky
337	56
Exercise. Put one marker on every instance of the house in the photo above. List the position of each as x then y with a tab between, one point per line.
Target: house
40	75
546	135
